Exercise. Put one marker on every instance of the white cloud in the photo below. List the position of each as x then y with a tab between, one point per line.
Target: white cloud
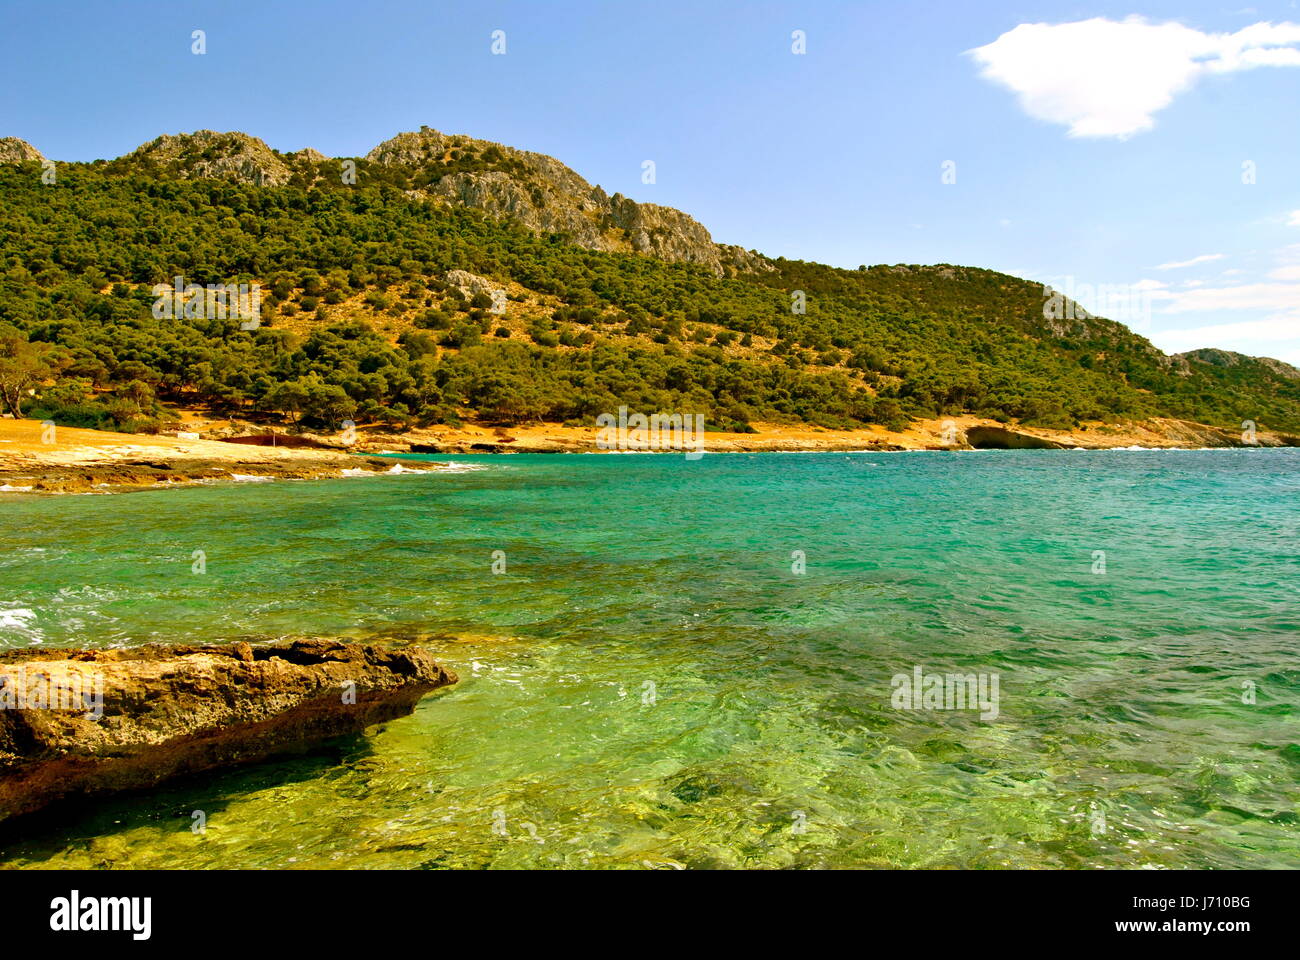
1179	264
1107	78
1289	269
1261	318
1283	294
1148	284
1246	296
1295	219
1277	335
1279	329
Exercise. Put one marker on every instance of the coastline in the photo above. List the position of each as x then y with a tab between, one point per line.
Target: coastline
947	433
36	459
95	461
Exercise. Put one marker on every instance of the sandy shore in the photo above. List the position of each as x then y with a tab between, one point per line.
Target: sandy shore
37	459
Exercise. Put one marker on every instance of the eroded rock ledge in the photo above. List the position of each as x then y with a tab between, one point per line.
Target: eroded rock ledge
87	722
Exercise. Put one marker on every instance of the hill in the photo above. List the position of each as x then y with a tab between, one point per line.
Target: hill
455	279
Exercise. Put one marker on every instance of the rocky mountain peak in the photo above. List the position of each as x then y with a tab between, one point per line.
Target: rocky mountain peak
535	190
546	196
207	154
1229	358
13	150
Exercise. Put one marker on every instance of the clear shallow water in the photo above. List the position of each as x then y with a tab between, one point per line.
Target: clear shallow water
770	740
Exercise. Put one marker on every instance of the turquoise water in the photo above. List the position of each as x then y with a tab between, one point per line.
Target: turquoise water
649	683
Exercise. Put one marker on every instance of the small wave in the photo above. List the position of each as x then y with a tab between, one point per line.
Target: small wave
99	595
16	617
6	488
398	469
19	555
249	478
19	621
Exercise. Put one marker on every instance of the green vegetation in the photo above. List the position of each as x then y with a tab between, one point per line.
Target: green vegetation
358	322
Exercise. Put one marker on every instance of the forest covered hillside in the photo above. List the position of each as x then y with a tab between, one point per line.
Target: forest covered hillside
449	279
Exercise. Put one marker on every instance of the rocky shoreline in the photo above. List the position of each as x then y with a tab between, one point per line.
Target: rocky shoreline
88	461
949	433
36	459
146	474
84	723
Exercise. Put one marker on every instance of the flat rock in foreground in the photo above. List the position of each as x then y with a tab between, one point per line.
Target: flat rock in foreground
87	722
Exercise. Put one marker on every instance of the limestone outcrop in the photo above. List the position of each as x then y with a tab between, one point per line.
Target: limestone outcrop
544	195
209	155
1000	438
77	723
13	150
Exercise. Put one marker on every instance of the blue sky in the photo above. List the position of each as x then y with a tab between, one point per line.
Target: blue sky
1110	157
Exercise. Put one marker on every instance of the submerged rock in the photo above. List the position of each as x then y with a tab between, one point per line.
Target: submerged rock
87	722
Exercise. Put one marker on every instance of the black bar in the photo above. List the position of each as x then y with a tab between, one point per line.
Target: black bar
945	911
